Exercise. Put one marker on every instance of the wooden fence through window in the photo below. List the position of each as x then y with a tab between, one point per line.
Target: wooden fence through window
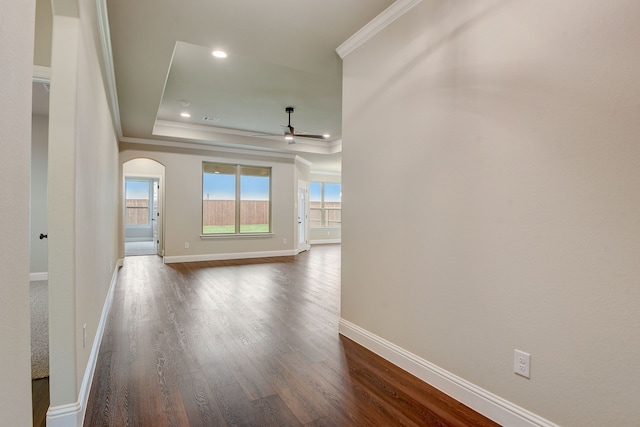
332	213
137	212
223	212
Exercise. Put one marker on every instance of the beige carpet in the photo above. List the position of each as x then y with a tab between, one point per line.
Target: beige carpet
39	307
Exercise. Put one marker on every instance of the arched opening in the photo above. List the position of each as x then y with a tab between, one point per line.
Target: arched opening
143	191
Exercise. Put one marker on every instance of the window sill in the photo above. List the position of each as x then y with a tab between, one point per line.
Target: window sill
236	236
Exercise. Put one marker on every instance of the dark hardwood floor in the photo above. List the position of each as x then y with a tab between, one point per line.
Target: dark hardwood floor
248	343
40	401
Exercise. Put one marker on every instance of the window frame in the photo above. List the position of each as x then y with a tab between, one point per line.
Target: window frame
324	223
238	169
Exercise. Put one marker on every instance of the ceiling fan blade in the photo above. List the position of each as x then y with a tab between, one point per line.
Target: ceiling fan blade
290	133
303	135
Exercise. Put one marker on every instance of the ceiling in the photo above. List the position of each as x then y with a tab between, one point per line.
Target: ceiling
281	53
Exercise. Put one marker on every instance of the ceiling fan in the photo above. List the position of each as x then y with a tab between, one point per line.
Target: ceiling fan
290	134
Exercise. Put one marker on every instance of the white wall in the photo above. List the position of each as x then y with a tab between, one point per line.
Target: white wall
16	47
508	134
83	201
38	209
183	203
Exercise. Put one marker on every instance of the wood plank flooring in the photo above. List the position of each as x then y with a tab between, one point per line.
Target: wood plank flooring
40	401
248	343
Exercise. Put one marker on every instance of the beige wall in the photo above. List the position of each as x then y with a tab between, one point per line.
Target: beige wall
508	131
42	45
183	201
16	47
83	199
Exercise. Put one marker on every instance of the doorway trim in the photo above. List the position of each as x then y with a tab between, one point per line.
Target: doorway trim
143	174
302	215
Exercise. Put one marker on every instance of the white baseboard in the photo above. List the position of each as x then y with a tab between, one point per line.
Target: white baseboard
224	257
72	415
36	277
138	239
325	241
482	401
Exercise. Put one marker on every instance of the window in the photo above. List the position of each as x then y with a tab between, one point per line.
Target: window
137	202
236	199
325	207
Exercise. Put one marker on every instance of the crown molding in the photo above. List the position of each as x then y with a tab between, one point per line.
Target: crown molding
159	124
328	173
377	24
208	147
41	74
107	56
303	161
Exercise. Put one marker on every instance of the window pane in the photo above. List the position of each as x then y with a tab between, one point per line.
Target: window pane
334	217
137	202
315	192
254	199
315	215
333	204
235	199
218	199
332	192
315	204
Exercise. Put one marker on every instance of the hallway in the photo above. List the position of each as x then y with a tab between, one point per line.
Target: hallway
249	343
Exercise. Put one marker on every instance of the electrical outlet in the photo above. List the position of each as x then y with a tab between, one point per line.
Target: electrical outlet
186	245
522	363
284	241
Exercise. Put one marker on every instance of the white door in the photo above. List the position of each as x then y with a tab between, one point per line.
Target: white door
303	244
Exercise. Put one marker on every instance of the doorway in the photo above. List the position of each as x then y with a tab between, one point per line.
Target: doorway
303	192
142	216
141	212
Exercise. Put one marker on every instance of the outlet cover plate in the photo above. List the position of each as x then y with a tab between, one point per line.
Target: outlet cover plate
522	363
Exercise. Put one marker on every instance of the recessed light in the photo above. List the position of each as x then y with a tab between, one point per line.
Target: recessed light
210	119
185	114
185	102
219	54
326	135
